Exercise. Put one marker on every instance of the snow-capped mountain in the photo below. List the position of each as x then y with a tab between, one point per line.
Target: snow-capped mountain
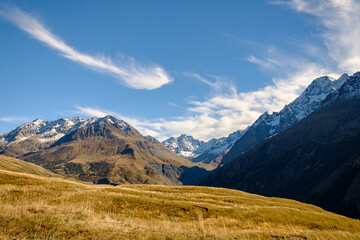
99	150
349	90
200	151
272	123
184	145
41	134
215	149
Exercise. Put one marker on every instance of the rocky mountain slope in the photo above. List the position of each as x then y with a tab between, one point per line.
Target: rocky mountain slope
210	152
100	150
184	145
38	135
269	124
317	160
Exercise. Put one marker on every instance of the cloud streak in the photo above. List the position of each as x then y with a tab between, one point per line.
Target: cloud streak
129	73
14	119
341	34
219	84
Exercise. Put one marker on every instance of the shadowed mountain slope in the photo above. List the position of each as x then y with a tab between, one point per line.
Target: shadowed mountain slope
317	160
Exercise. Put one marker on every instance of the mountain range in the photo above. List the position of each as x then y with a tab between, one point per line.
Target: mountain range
100	150
210	152
316	160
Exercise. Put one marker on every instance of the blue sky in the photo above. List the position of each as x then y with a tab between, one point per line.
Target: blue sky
205	68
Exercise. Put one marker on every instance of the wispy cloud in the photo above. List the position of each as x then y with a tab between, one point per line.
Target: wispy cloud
129	73
94	112
217	83
200	78
341	32
14	119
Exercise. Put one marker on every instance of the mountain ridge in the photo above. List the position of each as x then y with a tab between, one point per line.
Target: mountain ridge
100	150
269	124
209	152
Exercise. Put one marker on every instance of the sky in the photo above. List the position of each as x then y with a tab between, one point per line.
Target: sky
203	68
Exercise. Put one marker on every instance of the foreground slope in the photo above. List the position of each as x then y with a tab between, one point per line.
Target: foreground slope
316	160
17	165
49	208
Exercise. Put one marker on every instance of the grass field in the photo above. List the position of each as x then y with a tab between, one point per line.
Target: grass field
37	207
17	165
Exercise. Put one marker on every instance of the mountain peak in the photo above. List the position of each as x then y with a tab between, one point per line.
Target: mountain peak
38	121
357	74
185	136
350	88
108	119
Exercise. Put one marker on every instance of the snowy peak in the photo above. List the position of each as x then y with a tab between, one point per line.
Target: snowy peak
314	94
49	130
306	103
188	147
184	145
120	124
349	89
219	145
44	131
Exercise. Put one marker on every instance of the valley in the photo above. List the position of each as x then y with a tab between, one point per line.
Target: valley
171	120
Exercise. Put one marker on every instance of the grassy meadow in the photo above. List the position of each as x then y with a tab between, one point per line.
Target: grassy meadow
41	207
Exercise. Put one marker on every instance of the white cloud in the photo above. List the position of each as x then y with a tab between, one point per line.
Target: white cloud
14	119
94	112
341	35
219	84
129	73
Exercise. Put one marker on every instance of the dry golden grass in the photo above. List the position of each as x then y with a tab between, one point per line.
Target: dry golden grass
17	165
35	207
